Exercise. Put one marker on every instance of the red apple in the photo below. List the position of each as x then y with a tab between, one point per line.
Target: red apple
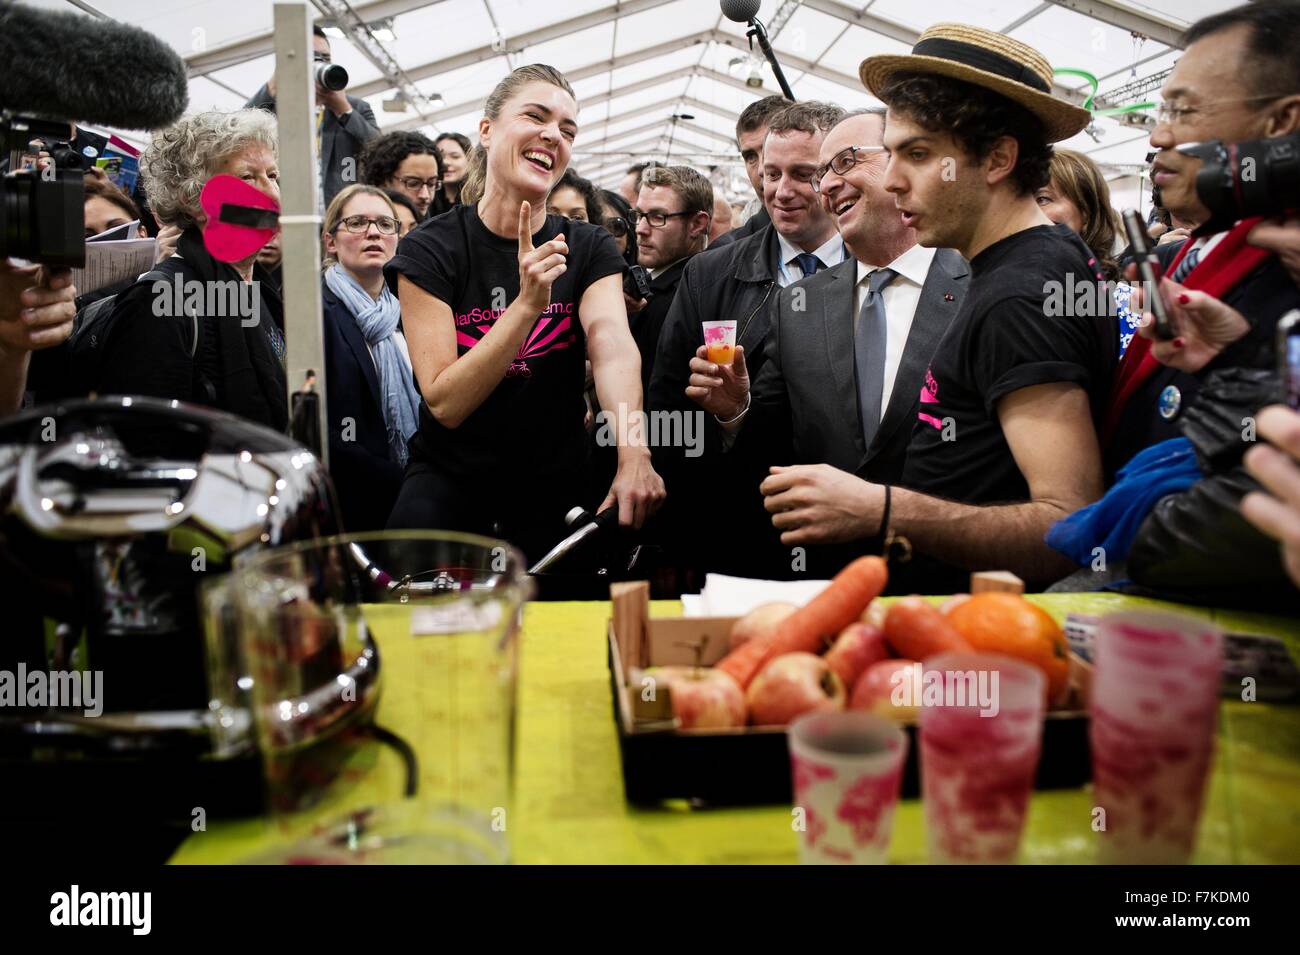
875	690
759	622
791	685
702	698
857	647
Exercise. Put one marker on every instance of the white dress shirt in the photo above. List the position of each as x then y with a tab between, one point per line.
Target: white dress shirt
831	253
901	298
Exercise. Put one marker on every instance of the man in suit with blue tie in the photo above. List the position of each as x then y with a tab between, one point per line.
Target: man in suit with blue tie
848	347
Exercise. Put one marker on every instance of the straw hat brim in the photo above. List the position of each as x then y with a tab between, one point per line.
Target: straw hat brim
1061	119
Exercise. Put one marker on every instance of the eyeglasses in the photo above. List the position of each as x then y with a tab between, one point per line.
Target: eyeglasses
617	226
1168	114
842	162
415	183
657	220
359	225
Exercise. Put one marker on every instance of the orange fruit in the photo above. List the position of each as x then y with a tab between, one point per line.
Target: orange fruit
1009	624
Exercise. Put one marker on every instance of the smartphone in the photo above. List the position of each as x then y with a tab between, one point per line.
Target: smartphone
1150	271
1288	356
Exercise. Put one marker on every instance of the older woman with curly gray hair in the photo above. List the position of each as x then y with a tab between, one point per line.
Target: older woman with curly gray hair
197	329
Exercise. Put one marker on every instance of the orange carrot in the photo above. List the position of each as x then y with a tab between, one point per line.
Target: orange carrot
916	630
811	627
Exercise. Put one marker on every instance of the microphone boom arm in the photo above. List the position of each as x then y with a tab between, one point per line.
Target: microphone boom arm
757	32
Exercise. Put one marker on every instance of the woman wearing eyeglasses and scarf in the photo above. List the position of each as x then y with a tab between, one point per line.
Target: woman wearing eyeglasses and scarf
372	404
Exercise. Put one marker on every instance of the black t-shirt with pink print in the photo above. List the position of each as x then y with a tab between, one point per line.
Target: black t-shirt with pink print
1033	315
532	423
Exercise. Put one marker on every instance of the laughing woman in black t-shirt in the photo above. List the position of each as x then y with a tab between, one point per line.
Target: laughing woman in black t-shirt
501	303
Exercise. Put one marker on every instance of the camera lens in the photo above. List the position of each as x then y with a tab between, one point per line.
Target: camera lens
65	157
331	76
42	220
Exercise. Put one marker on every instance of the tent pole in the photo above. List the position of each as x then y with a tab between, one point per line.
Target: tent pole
300	223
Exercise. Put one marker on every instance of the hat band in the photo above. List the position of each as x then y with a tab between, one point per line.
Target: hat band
981	59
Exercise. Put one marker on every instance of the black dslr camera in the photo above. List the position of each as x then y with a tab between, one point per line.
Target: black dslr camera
636	283
42	212
1258	177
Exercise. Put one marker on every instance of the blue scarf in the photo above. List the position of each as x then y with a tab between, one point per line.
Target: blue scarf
1113	522
377	321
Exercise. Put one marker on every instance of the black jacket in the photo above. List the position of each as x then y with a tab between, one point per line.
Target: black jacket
151	350
365	478
759	220
736	281
1195	546
1141	424
1263	297
648	323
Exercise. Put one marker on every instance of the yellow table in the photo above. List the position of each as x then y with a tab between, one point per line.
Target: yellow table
569	805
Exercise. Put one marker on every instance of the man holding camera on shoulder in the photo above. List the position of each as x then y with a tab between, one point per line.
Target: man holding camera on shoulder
343	124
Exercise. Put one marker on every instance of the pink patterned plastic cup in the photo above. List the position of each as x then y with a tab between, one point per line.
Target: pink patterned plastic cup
981	734
848	768
1155	701
720	340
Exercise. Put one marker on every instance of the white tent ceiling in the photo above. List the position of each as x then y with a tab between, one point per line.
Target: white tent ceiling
636	64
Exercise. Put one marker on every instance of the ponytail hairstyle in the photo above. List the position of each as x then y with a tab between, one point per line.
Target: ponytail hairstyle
475	180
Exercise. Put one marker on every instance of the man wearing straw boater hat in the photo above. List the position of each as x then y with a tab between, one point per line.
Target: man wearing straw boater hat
1005	443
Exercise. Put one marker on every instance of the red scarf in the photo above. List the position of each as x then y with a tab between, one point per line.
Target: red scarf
1216	274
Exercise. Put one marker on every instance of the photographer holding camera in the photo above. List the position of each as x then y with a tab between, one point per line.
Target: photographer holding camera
1238	83
1174	513
343	123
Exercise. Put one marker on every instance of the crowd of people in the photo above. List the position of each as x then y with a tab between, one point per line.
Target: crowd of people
914	371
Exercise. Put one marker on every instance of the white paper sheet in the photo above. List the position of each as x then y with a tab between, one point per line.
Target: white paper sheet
724	596
114	261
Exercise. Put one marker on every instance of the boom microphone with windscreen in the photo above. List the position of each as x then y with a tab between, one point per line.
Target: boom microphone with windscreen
69	66
742	11
63	67
746	11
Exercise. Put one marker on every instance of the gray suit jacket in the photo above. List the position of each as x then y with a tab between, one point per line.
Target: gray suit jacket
804	403
340	140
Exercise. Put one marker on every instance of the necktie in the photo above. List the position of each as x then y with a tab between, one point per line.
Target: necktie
809	263
869	352
1188	263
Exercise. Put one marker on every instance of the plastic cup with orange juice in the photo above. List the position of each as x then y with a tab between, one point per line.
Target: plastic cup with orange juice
720	340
